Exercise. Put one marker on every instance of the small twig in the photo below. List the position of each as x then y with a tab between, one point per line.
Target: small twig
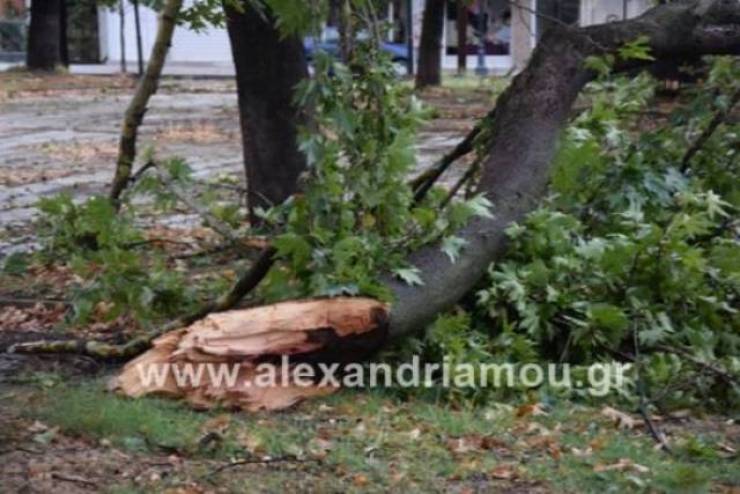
156	240
721	373
717	120
101	350
73	478
461	181
140	172
423	182
642	408
32	301
657	435
259	461
208	218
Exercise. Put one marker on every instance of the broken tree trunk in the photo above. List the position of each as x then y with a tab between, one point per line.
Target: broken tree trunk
226	353
145	89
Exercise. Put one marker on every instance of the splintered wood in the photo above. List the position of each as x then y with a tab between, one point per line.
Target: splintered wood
225	358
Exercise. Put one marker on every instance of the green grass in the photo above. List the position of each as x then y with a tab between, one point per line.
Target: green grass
86	410
374	441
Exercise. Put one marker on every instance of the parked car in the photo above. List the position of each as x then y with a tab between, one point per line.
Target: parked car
329	43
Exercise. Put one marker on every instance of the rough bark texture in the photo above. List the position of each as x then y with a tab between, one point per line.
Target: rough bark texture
462	37
429	69
44	34
525	125
63	24
137	107
268	67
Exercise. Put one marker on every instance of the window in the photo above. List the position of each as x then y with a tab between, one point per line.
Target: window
488	21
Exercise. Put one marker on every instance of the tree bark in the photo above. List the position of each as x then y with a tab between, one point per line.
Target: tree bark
44	34
63	41
268	67
137	107
462	37
429	71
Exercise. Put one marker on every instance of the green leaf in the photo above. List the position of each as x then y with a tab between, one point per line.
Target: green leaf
480	206
16	263
409	275
608	316
452	246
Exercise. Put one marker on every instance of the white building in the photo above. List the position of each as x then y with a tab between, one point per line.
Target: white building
510	50
511	30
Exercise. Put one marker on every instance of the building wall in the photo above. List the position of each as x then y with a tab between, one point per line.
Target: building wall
9	8
591	12
601	11
210	45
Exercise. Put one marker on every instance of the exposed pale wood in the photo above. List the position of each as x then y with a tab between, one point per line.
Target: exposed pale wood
248	338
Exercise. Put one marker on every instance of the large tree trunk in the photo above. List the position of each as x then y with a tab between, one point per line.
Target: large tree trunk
44	34
429	70
268	67
137	107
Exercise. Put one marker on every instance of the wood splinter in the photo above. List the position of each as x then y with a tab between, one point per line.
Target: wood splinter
239	345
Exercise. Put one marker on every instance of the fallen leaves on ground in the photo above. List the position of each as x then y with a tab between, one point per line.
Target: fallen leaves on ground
623	465
621	419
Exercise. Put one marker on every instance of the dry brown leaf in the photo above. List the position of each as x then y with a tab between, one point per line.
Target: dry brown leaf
360	480
533	409
624	464
504	471
218	424
462	445
581	453
621	419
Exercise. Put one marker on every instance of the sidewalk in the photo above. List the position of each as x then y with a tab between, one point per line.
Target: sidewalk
176	69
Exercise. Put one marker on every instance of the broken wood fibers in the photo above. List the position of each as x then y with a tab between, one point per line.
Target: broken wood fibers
324	330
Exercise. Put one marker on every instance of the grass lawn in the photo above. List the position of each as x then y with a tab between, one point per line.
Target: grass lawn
358	441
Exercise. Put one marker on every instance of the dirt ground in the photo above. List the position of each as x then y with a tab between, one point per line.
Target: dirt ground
60	134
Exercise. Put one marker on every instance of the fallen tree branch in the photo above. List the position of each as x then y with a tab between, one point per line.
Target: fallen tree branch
719	372
102	350
423	182
259	461
719	117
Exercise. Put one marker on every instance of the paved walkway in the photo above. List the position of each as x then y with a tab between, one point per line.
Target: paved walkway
192	69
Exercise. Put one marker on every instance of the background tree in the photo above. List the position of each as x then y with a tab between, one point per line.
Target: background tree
430	50
45	35
147	87
268	67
